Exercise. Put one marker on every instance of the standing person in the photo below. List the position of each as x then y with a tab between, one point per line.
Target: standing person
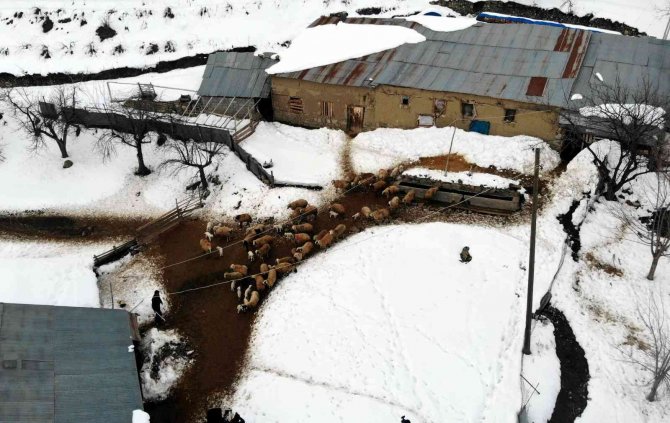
156	303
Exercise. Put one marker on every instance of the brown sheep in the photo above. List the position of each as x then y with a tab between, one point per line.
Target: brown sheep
341	185
320	234
380	215
365	211
265	239
306	249
310	210
367	181
430	192
409	197
264	268
247	242
232	276
283	268
301	238
297	256
390	190
379	185
205	245
249	304
397	171
243	219
325	240
296	213
383	174
286	259
223	232
256	229
297	204
336	209
338	231
263	252
239	268
260	285
394	203
271	279
305	227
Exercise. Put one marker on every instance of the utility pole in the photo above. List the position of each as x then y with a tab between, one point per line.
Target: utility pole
531	260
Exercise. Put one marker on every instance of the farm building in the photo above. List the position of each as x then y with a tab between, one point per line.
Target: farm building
67	364
235	83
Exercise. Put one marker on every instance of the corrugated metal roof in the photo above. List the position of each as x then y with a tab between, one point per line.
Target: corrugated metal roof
231	74
491	60
66	364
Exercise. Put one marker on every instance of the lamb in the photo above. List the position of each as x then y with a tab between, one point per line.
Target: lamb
229	276
243	219
263	252
320	234
325	240
336	209
301	203
409	197
271	279
430	192
281	228
251	256
209	236
249	304
305	227
285	260
394	203
239	268
391	190
206	245
365	211
301	238
380	215
289	235
338	231
379	185
265	239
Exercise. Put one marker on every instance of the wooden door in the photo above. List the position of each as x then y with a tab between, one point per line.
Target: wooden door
355	115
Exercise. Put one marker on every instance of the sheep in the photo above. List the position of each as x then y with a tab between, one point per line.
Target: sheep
210	226
306	248
251	256
383	174
320	234
243	219
367	181
205	245
310	210
249	304
256	229
341	185
265	239
394	203
263	252
336	209
296	213
220	250
365	211
264	268
305	227
284	268
301	238
430	192
289	235
209	236
338	231
239	268
325	241
397	171
379	185
390	190
232	276
409	197
285	260
281	228
301	203
260	283
247	242
222	232
271	279
380	215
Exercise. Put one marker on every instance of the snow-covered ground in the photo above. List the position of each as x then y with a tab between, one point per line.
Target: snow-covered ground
405	327
385	148
543	370
468	178
166	359
48	273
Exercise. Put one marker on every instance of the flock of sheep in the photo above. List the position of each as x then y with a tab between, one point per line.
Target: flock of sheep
259	239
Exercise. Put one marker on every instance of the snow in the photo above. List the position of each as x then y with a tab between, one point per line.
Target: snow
599	76
543	369
299	156
325	44
140	416
577	96
170	367
468	178
386	315
48	273
443	23
626	113
385	148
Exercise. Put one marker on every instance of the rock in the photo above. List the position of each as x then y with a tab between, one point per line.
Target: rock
67	164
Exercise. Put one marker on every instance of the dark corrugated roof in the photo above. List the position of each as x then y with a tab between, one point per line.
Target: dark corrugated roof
66	364
231	74
492	60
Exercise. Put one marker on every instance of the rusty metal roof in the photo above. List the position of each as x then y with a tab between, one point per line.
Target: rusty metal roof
491	60
232	74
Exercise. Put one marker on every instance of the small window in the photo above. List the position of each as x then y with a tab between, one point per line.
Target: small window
510	115
467	109
295	105
404	101
426	120
327	108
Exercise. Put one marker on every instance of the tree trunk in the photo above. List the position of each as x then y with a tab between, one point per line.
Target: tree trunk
142	169
63	150
654	387
203	178
652	269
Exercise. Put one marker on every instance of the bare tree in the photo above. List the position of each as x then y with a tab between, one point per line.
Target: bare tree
632	117
130	127
53	123
191	154
655	350
570	4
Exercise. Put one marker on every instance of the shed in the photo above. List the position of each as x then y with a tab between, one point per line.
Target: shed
67	364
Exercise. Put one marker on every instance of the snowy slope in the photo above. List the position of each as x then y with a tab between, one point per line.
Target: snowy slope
390	323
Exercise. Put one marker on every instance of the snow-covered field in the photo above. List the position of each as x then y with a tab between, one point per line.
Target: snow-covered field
386	147
404	327
468	178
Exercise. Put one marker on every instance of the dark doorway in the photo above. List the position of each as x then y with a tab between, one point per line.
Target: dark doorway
355	115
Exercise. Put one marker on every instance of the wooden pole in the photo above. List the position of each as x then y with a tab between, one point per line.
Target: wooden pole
531	259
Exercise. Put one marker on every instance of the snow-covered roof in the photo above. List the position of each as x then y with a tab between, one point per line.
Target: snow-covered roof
235	74
66	364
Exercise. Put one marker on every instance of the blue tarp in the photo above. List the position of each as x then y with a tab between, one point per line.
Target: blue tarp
520	19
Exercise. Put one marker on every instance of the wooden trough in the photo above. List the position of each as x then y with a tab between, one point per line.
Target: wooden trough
477	198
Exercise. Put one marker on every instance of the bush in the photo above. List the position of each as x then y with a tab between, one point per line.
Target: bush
152	49
168	13
105	30
170	47
47	25
45	52
118	50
